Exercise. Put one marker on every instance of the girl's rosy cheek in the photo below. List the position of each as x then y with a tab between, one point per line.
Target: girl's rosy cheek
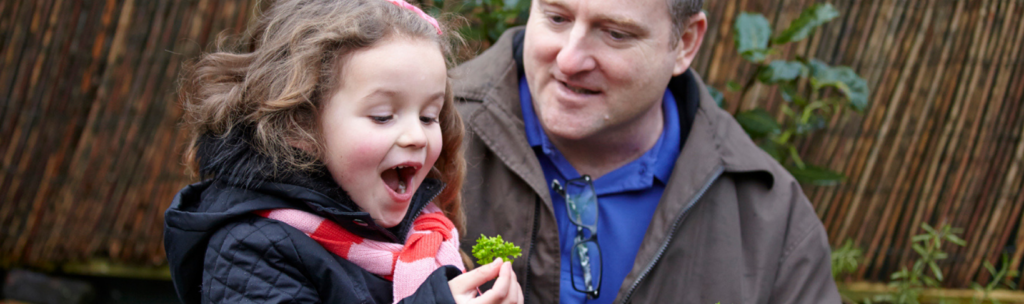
365	150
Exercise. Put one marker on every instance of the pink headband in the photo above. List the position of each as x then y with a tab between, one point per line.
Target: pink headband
418	11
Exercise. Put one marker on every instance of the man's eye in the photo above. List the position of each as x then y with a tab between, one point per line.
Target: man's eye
617	35
557	19
382	119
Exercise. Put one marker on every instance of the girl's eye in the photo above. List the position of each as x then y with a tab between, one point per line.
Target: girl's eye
428	120
382	119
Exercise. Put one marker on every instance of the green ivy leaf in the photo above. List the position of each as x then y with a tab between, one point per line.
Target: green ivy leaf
816	175
809	19
752	32
758	123
717	96
781	71
842	78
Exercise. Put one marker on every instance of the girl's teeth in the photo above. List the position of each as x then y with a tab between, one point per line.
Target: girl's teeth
401	187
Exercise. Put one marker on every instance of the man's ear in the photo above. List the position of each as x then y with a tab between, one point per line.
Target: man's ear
689	42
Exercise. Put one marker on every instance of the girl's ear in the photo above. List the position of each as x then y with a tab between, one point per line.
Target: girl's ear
303	145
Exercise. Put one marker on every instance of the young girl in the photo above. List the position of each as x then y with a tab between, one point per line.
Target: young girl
332	165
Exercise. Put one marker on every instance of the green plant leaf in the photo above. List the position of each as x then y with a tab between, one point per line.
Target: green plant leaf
956	240
790	93
717	96
756	55
842	78
751	34
775	150
814	122
809	19
733	86
936	270
928	228
758	123
781	71
900	274
920	250
816	175
991	269
920	238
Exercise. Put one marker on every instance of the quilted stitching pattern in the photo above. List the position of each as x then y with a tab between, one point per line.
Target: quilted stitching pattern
254	261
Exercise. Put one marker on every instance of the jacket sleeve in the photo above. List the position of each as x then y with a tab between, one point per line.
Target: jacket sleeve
435	289
254	261
805	269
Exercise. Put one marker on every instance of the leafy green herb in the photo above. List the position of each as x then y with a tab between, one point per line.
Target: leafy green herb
489	248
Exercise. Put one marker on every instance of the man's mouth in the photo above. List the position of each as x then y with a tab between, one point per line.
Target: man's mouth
398	178
579	90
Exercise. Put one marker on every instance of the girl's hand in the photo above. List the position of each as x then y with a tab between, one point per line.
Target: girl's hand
506	289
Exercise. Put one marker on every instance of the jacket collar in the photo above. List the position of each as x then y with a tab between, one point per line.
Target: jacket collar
710	135
355	221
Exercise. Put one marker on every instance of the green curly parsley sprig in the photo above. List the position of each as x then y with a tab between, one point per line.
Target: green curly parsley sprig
489	248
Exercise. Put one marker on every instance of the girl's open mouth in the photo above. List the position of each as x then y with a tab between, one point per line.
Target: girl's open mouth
398	178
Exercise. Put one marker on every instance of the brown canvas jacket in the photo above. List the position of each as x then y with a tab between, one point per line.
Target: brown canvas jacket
732	226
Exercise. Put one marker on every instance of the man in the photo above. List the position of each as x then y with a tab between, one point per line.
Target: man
592	146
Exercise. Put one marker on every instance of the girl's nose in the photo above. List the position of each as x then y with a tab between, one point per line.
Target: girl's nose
413	135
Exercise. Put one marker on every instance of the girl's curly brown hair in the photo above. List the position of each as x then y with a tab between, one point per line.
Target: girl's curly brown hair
276	91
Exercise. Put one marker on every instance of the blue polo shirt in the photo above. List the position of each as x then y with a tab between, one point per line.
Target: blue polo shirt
627	198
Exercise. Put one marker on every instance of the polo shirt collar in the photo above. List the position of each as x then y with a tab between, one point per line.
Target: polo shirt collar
655	164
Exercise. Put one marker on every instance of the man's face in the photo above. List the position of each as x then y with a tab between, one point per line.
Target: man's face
599	65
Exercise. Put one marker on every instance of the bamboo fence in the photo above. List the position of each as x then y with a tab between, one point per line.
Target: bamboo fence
941	140
90	122
91	151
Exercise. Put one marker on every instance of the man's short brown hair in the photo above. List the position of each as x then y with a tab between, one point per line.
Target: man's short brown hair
681	11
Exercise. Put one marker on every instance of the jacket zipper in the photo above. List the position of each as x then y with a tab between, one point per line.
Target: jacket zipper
529	255
672	233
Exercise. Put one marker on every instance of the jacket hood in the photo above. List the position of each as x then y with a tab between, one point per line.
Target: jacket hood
242	181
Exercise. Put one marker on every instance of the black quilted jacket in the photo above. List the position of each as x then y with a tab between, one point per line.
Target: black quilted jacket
219	252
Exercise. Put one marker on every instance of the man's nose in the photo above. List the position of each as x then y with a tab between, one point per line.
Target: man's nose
576	55
412	134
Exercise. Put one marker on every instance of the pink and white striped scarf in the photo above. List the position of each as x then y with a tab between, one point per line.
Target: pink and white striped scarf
432	242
